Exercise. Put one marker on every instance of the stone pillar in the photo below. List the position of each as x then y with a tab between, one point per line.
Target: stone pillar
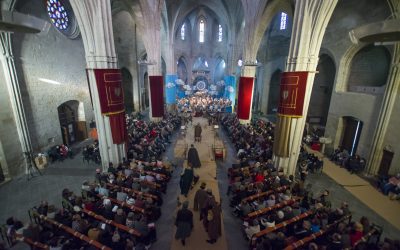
100	54
309	24
14	92
151	34
389	98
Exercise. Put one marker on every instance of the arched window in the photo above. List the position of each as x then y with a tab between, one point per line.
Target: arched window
283	21
201	31
183	31
58	15
219	33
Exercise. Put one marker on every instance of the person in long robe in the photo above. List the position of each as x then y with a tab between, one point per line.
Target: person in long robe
193	157
214	221
197	132
186	180
184	223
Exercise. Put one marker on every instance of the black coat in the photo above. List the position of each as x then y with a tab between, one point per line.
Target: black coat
184	223
193	158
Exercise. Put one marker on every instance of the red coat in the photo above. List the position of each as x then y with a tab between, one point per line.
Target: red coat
259	178
356	236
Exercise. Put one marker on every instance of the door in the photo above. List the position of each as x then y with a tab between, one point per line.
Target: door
387	158
352	133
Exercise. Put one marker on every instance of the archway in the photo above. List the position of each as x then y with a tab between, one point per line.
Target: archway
322	91
273	98
219	70
71	115
182	70
366	75
128	90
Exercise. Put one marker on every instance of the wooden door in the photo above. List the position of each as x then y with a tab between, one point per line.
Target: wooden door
387	158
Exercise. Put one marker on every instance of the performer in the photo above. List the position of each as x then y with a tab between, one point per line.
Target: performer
197	133
193	157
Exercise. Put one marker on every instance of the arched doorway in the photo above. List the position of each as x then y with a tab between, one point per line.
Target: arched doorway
128	90
71	115
322	91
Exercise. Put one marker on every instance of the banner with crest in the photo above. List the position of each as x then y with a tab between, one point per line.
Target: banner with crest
110	91
292	92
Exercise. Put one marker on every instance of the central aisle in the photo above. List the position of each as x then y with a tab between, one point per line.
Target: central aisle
207	173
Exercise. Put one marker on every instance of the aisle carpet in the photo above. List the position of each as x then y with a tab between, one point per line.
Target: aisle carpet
363	190
207	174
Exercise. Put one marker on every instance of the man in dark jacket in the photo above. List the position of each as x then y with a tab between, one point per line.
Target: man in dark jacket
184	223
200	198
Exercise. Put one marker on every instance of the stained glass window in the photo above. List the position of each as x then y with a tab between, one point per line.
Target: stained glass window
201	31
183	32
219	33
58	15
283	21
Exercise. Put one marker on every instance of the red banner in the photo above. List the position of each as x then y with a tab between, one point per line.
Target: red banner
245	95
118	128
111	94
157	96
292	92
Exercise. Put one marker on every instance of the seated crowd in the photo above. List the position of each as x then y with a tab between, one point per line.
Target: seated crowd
390	185
118	209
147	140
202	103
354	164
281	212
59	153
91	152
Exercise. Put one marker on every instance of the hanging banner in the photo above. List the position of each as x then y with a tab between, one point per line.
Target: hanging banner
245	96
111	94
157	96
230	91
170	89
118	128
292	92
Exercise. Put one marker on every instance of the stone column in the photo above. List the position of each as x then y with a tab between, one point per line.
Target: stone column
95	23
253	12
389	98
309	24
14	92
150	27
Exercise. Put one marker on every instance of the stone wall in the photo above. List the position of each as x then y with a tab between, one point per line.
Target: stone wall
51	71
347	16
125	39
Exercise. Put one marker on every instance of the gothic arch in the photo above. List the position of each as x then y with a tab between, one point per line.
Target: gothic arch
273	98
344	67
322	90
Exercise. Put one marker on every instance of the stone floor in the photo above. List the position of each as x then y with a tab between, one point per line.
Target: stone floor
18	195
